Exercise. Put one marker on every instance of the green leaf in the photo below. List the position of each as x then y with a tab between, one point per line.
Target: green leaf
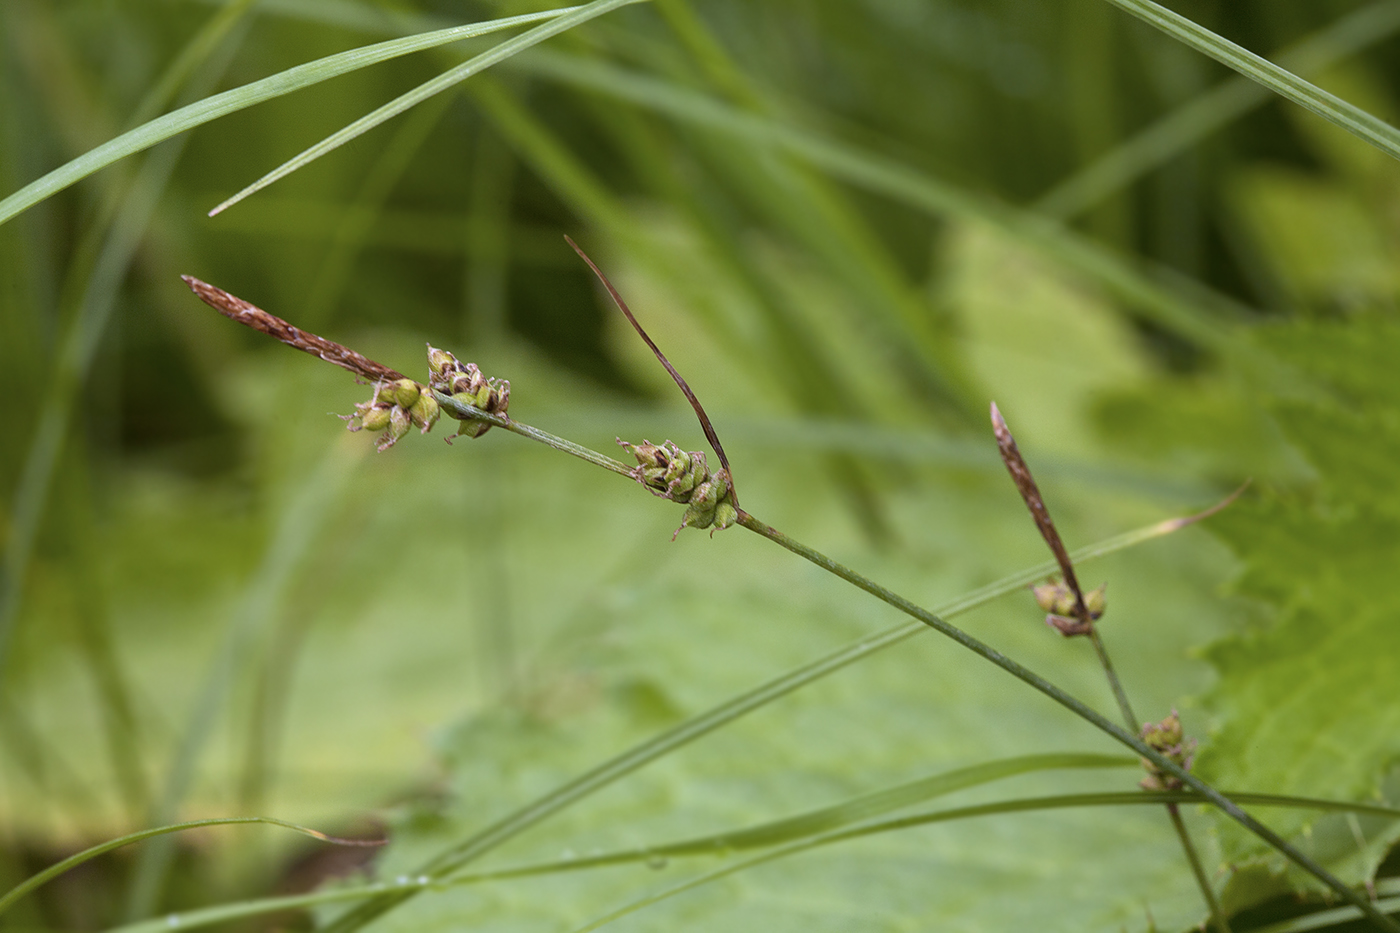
1279	80
1307	698
453	76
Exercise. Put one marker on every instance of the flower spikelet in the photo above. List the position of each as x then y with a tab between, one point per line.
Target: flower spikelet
685	477
1168	738
394	407
465	383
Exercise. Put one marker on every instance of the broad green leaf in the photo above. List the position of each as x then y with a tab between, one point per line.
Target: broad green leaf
1306	699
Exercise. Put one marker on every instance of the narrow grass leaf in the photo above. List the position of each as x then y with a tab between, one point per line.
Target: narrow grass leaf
407	885
1281	81
1061	802
73	861
297	528
442	82
240	98
1187	125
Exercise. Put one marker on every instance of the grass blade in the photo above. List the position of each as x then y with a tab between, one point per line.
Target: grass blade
1281	81
296	531
405	884
442	82
1172	134
1061	802
240	98
73	861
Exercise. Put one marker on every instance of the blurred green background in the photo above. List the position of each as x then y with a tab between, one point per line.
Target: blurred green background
850	225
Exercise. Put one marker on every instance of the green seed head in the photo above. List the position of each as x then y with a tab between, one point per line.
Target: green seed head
374	418
425	412
405	393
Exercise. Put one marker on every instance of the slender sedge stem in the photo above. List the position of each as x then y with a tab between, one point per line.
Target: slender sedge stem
1030	678
1217	913
534	434
1114	683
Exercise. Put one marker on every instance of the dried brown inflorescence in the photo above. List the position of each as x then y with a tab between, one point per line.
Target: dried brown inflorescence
241	311
1067	605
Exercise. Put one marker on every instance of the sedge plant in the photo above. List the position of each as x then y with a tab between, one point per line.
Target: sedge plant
399	404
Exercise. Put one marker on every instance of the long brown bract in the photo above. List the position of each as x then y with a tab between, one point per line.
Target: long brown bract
236	309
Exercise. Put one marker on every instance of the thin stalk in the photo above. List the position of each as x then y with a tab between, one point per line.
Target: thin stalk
1114	683
1217	913
535	434
1085	712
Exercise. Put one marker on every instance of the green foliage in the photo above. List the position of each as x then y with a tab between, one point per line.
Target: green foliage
215	602
1306	696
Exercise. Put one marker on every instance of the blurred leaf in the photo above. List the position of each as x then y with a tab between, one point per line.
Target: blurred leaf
1306	698
219	105
1349	117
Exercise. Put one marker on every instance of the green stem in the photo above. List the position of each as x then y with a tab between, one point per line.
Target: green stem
1217	913
535	434
1030	678
1114	683
1222	924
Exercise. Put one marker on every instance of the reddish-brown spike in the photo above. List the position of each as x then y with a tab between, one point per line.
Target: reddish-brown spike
1025	484
236	309
705	424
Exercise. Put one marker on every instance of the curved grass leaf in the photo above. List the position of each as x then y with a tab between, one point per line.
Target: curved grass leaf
73	861
1281	81
240	98
442	82
407	885
990	809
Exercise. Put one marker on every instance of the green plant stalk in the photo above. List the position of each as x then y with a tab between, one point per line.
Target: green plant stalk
301	521
983	650
1031	679
1217	913
121	230
1349	117
406	885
